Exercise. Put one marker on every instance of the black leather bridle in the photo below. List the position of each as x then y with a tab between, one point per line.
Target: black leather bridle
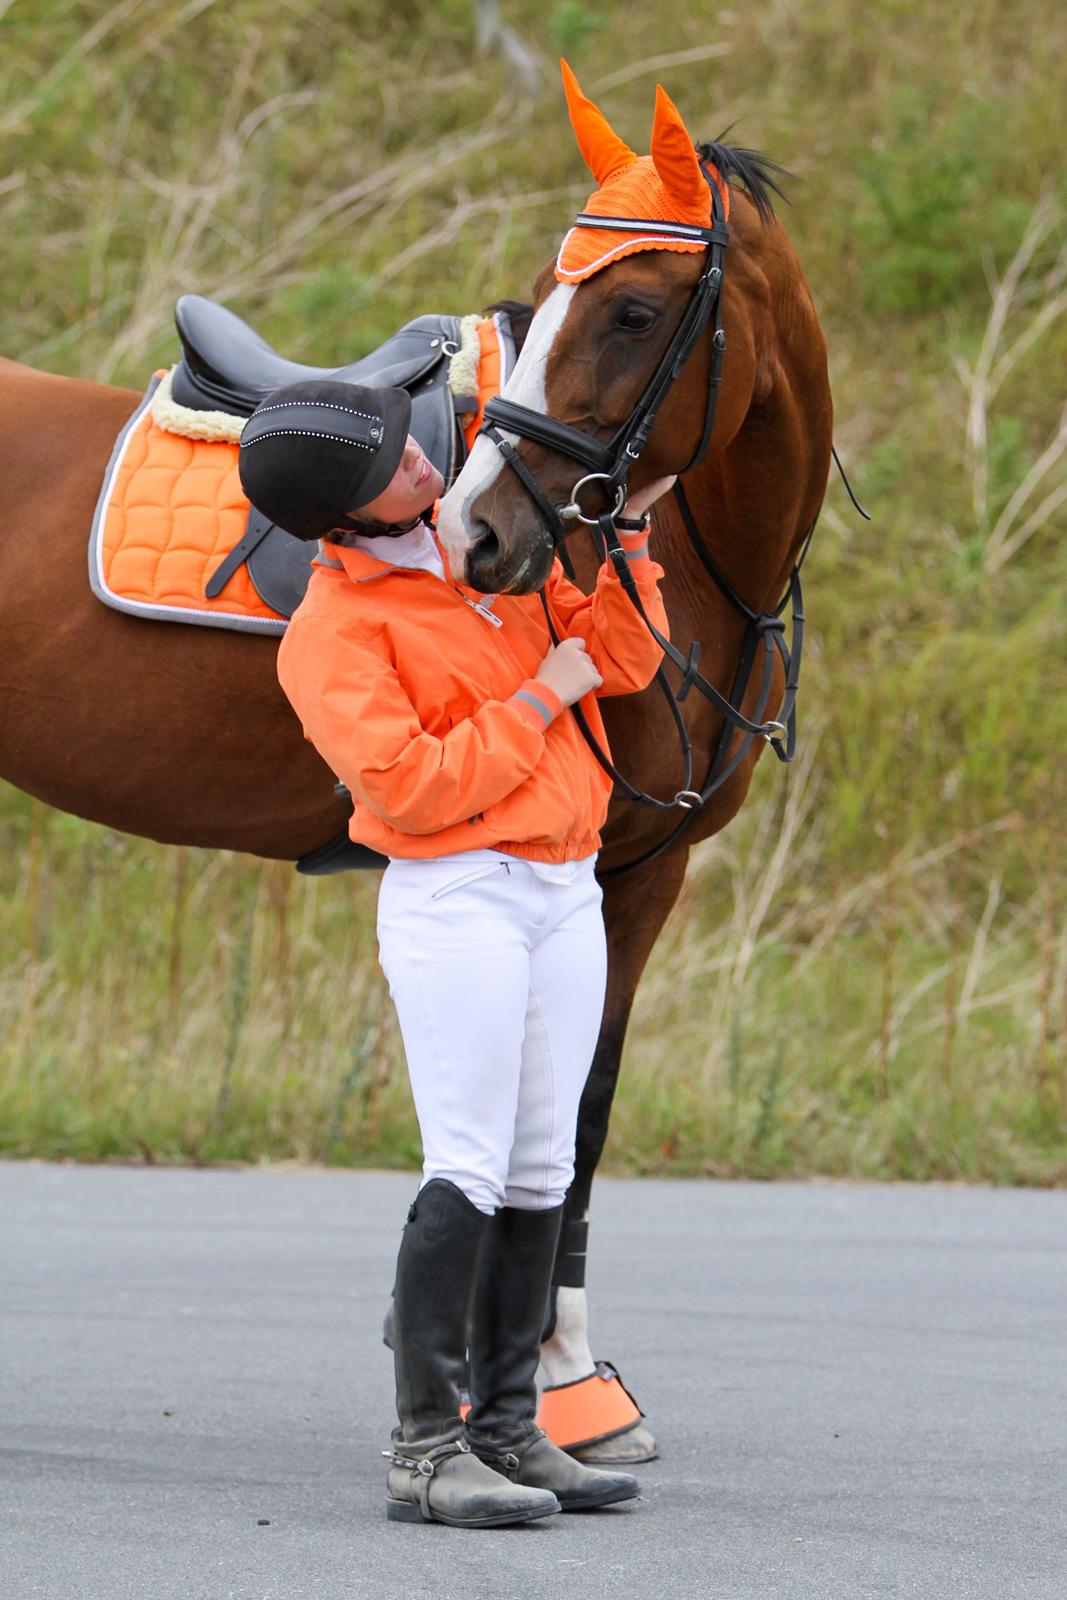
609	465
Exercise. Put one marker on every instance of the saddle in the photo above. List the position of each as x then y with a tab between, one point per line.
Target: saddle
173	537
226	366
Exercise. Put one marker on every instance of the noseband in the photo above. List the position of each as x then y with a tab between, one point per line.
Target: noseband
609	465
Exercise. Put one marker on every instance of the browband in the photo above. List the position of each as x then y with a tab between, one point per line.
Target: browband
678	230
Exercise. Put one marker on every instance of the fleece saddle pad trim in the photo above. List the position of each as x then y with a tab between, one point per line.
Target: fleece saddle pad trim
134	577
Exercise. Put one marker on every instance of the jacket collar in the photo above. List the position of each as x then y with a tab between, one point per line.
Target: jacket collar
360	566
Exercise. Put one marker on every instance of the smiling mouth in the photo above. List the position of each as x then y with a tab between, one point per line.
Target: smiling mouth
424	472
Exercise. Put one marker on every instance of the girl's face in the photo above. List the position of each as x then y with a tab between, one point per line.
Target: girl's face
415	484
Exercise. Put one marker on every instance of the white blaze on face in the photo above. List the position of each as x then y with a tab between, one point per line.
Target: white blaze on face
526	387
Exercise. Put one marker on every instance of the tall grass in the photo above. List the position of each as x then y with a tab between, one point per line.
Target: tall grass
867	973
911	1023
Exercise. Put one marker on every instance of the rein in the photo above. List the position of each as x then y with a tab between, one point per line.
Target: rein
609	464
764	641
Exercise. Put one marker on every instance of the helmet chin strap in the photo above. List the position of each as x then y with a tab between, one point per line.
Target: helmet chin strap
350	525
395	529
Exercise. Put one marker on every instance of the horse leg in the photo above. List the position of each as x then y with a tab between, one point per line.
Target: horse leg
582	1403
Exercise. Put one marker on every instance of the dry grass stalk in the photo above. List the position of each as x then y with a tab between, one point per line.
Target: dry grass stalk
948	1044
177	928
660	63
446	229
490	33
903	869
997	359
977	958
197	205
78	51
773	857
279	877
1051	940
754	898
887	1025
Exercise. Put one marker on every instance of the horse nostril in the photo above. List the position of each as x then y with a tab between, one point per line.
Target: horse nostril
484	548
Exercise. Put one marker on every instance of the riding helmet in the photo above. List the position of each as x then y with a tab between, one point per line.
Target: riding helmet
313	452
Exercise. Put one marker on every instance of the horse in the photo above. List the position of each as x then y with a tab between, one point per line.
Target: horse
182	735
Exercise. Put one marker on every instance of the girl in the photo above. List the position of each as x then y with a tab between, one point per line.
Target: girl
444	713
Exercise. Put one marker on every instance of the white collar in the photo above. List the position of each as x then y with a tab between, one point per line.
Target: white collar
416	548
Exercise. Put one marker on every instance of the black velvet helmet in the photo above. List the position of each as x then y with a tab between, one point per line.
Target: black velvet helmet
312	452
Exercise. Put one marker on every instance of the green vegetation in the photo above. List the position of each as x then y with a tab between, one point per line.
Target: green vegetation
867	973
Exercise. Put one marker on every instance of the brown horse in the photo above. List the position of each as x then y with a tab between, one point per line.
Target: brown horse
182	734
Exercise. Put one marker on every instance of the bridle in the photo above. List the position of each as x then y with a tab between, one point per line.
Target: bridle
609	465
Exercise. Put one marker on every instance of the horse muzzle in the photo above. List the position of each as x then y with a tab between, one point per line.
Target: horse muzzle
520	567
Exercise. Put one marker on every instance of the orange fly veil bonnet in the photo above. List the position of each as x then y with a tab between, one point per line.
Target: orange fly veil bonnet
666	187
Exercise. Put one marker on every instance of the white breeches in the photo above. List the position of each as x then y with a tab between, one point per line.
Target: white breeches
497	968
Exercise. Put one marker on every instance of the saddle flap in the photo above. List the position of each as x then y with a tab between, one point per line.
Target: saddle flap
280	568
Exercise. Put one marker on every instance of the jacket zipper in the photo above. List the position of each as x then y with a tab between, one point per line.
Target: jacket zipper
482	609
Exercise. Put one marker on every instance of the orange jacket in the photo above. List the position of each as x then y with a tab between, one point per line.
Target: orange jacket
431	713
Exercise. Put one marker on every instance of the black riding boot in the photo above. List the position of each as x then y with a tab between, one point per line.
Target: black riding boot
434	1477
505	1345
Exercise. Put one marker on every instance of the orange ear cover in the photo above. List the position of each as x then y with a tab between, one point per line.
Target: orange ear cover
666	186
602	150
676	160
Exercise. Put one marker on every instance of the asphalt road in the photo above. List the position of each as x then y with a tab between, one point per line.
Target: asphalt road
858	1392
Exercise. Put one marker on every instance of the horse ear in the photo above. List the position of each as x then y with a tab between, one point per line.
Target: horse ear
674	156
603	152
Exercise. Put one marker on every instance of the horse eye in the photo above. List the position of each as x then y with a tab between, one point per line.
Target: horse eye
635	319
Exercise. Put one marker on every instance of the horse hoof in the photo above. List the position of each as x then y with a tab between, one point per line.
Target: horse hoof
596	1419
629	1449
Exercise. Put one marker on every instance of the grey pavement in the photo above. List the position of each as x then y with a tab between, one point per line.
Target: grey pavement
859	1391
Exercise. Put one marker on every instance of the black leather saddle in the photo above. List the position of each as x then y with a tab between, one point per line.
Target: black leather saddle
226	366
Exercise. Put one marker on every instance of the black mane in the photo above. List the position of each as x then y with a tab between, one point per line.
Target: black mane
757	172
520	313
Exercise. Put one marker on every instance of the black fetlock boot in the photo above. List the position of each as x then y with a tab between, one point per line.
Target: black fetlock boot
434	1476
505	1345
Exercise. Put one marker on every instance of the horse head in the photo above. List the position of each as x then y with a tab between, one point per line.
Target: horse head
605	313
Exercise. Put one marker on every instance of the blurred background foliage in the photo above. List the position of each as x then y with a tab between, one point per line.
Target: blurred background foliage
866	974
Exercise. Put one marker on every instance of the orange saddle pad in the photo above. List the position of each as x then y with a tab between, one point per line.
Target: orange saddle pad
170	510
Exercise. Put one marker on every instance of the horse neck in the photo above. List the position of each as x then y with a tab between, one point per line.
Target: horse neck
748	527
755	500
